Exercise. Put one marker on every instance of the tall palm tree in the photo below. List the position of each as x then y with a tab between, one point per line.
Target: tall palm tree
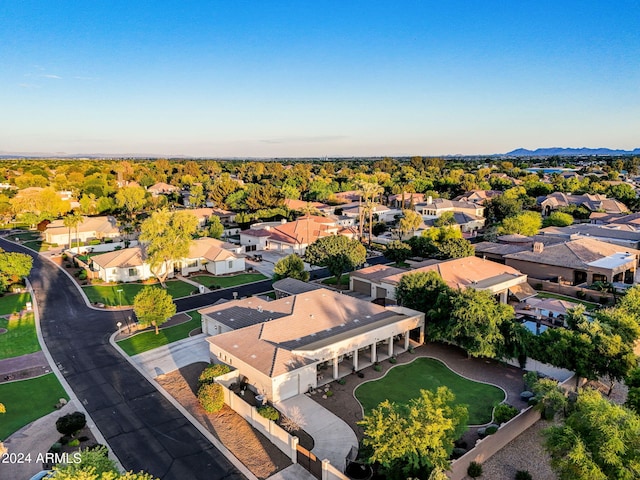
73	220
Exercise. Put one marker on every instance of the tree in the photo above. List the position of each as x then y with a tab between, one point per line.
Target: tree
290	266
423	291
73	221
13	268
454	248
417	437
558	219
447	219
71	423
167	238
526	223
336	252
216	229
131	199
95	464
475	322
153	306
409	222
599	440
397	251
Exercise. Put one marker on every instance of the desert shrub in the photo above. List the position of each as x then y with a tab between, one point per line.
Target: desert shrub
82	275
504	412
458	452
294	420
211	397
474	470
56	448
491	430
269	412
74	443
95	242
209	374
393	360
523	475
71	423
342	381
377	368
329	393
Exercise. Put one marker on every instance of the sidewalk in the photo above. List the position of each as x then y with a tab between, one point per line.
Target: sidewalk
191	282
36	362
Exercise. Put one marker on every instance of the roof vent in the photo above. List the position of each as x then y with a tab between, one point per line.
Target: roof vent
235	346
368	316
260	308
232	319
253	355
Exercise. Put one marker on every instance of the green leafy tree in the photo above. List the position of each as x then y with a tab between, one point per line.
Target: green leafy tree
290	266
454	248
216	229
447	219
73	221
131	200
526	223
336	252
558	219
417	437
623	192
599	440
95	465
13	268
409	222
397	251
475	322
153	306
167	237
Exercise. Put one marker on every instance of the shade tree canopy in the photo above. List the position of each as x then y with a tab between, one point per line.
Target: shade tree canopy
337	253
153	306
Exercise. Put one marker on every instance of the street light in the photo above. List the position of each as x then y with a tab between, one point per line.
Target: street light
119	325
119	299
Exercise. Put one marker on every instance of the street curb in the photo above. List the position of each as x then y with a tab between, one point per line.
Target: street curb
212	439
63	381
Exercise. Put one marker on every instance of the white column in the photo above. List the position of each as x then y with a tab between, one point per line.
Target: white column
391	346
373	352
355	359
503	296
335	367
406	340
421	334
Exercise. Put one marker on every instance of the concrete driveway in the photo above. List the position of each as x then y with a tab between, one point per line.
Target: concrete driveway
176	355
333	437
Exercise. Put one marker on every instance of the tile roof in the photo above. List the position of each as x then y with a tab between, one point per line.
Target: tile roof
103	224
375	273
125	258
293	286
211	249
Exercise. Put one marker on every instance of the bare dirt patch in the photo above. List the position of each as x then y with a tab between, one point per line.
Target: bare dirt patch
252	448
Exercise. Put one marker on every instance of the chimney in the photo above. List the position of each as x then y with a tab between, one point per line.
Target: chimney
538	247
429	200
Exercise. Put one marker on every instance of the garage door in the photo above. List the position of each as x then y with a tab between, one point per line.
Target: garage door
289	388
361	287
381	292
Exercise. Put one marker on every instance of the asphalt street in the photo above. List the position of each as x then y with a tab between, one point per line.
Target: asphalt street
144	430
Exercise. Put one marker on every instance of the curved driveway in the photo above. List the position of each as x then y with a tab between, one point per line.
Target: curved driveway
144	430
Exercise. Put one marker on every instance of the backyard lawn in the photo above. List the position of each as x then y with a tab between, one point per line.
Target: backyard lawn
149	340
344	280
588	305
404	382
226	282
28	400
108	294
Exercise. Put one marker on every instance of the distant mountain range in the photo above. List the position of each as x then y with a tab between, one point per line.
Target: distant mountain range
549	152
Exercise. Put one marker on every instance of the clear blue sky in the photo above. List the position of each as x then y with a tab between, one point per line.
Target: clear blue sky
315	78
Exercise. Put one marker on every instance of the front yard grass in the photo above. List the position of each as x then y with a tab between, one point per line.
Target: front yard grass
226	282
344	280
26	236
13	302
20	338
149	340
28	400
590	306
403	383
108	294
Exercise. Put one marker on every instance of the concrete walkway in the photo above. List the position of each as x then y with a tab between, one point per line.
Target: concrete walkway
23	362
332	436
35	438
176	355
293	472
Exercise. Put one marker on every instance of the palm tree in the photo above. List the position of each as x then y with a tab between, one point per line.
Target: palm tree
370	191
73	220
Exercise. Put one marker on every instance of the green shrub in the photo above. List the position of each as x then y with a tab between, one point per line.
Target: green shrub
393	360
342	381
269	412
581	295
523	475
56	448
82	275
209	374
71	423
474	470
211	397
377	368
329	393
491	430
74	443
95	242
504	412
530	378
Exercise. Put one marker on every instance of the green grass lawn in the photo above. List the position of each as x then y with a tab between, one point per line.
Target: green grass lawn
149	340
404	382
226	282
108	294
28	400
13	302
37	245
21	337
26	236
344	280
588	305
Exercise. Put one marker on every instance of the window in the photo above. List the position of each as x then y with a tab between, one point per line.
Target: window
230	263
133	272
192	263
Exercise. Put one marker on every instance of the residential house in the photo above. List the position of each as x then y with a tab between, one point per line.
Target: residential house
466	222
380	281
162	188
213	256
410	200
556	200
381	212
125	265
289	346
576	262
435	207
618	234
91	228
479	197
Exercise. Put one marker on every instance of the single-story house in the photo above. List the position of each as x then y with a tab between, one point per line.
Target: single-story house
435	207
125	265
213	256
597	202
286	347
380	281
162	188
622	235
479	197
381	212
91	228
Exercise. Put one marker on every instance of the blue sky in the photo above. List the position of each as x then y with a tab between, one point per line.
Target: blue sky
262	78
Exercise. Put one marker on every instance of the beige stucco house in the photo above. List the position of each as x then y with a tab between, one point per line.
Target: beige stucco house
212	255
91	228
288	346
